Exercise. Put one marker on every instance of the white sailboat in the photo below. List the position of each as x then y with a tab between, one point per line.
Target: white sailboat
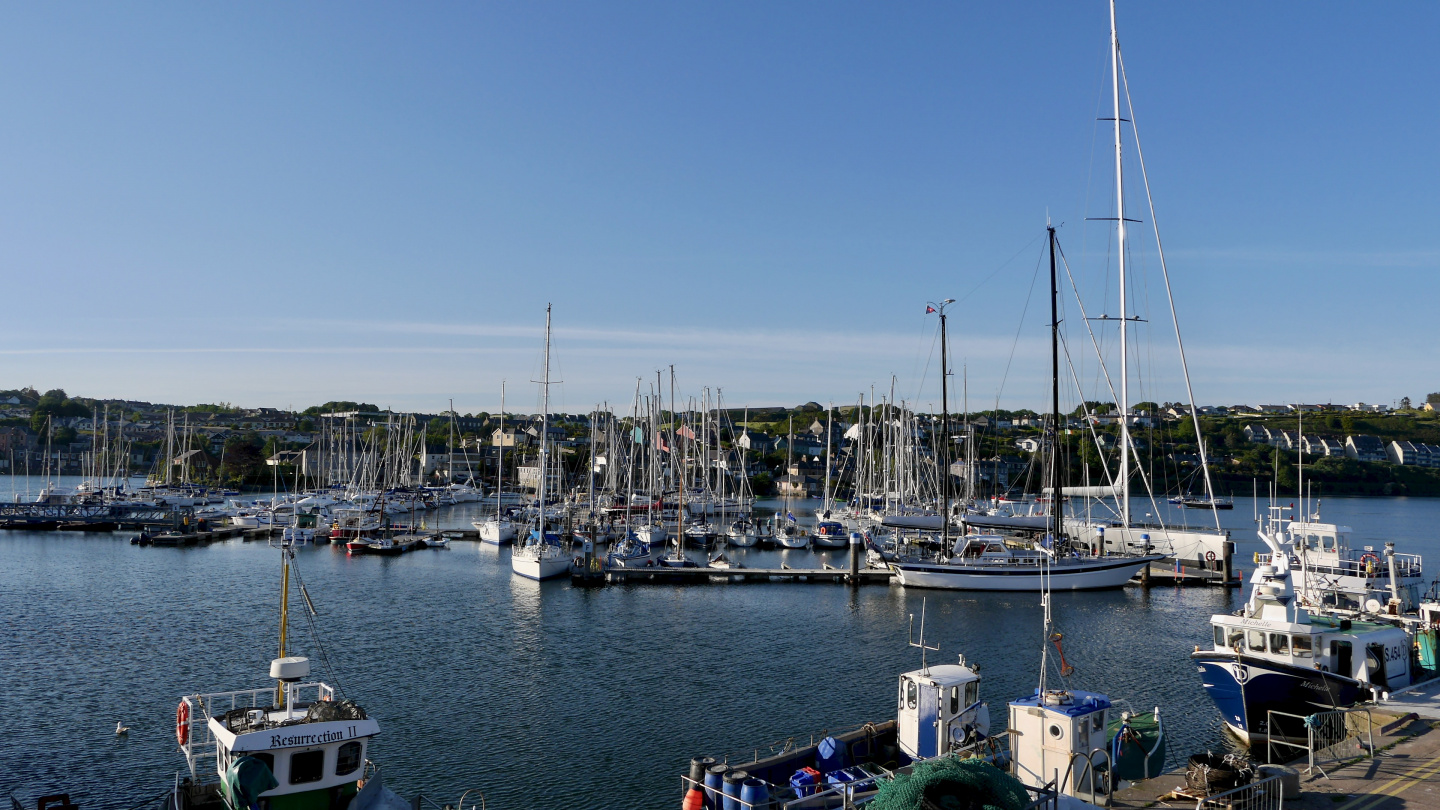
788	533
497	531
1122	533
541	557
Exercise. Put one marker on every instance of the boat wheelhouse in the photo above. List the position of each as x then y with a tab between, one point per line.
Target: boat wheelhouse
1337	575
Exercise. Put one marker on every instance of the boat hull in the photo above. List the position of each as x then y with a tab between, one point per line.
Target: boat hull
539	567
1245	689
741	540
493	533
1087	576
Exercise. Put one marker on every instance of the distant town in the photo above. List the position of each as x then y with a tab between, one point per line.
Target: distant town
1356	449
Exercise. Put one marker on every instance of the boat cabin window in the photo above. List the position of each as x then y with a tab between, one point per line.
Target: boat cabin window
910	694
1327	542
955	700
1279	643
307	766
1256	641
1219	635
995	548
1300	646
347	759
972	692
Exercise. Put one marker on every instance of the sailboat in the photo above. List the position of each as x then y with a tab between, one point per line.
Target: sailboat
1123	533
829	533
541	557
788	533
497	531
987	563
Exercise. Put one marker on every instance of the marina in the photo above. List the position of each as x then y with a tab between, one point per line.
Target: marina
1034	573
463	605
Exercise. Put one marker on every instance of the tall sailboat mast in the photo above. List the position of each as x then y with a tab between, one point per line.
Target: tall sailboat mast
500	459
1056	517
1124	319
544	429
943	457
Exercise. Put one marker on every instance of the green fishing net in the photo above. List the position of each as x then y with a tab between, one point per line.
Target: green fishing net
952	784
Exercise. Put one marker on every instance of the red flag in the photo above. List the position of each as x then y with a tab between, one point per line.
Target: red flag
929	309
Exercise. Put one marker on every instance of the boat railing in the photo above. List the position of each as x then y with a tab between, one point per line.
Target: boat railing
200	746
1263	794
1087	775
1325	731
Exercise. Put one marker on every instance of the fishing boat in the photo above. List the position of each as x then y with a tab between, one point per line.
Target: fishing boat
299	743
1334	575
939	717
1276	656
541	557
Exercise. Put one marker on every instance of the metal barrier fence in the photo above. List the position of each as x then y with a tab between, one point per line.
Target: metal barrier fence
1265	794
1330	736
1086	775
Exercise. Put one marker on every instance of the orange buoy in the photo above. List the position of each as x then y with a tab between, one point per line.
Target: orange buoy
694	799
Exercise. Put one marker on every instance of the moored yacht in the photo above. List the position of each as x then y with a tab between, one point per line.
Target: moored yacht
541	557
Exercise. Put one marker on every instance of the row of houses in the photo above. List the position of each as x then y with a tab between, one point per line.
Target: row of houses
1359	447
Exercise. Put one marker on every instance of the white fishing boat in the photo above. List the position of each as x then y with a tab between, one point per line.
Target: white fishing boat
541	557
297	743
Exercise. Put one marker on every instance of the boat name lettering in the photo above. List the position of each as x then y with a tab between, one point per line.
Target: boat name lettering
283	741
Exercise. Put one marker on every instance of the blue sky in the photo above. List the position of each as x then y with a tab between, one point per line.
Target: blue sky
280	204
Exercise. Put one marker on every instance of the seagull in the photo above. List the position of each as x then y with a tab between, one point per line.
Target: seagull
121	729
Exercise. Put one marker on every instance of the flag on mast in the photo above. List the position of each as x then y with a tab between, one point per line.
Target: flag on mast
929	309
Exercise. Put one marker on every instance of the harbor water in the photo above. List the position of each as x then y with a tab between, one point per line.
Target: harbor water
540	694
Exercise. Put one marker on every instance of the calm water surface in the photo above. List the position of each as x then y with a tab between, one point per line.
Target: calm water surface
543	695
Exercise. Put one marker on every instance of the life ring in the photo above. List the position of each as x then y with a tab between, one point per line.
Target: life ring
1210	556
182	723
1370	560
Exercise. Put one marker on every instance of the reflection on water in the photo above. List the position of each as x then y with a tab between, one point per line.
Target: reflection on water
541	694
